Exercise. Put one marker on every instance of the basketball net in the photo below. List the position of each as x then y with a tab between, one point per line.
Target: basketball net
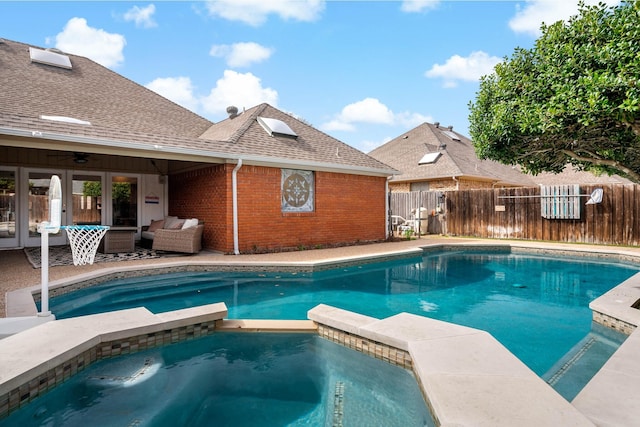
84	241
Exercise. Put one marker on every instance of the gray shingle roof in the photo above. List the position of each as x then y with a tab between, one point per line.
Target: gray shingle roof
458	158
88	92
570	175
123	112
245	136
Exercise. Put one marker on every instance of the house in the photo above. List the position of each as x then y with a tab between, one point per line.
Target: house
259	180
431	157
435	158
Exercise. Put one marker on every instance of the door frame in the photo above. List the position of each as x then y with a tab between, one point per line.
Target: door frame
12	242
22	221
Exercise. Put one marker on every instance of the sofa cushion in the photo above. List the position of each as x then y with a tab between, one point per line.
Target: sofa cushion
147	235
173	223
190	223
155	225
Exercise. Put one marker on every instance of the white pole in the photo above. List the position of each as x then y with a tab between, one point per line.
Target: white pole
53	226
44	270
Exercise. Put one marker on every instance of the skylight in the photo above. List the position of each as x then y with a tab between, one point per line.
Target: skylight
451	135
49	58
66	120
275	126
429	158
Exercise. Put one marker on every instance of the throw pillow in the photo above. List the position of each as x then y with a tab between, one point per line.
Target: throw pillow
190	223
169	222
176	225
155	225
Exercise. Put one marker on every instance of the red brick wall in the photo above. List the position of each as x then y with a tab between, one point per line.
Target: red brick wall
205	194
348	209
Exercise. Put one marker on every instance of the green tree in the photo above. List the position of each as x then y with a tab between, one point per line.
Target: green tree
574	98
8	184
92	188
121	191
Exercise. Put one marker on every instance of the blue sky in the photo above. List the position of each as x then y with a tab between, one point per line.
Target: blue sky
362	71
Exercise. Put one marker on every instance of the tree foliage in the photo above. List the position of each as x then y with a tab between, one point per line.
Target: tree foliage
92	188
573	98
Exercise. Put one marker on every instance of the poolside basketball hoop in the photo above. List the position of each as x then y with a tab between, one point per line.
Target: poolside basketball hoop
45	228
84	241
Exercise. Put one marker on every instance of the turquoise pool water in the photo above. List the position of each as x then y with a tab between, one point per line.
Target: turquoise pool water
536	306
230	379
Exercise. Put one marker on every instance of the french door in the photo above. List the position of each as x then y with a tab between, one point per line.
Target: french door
34	201
8	207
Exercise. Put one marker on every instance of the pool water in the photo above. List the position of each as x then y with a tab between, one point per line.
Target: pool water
538	307
231	379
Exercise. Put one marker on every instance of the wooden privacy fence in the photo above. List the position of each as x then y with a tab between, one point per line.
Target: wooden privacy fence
86	210
516	214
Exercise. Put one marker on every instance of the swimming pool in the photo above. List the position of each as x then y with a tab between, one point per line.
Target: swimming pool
230	379
537	306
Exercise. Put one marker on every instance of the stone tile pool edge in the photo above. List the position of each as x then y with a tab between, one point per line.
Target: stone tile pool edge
466	376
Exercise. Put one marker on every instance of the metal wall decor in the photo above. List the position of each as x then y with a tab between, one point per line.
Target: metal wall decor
298	191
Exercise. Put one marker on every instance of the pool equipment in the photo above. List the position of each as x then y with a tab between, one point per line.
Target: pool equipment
83	239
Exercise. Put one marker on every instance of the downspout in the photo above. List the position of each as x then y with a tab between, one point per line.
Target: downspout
457	182
387	209
234	192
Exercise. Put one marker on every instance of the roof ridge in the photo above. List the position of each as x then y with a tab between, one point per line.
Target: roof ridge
247	122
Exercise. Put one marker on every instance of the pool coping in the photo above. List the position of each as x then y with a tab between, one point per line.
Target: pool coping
445	390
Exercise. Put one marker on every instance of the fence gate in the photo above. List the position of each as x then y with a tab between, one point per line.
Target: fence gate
406	205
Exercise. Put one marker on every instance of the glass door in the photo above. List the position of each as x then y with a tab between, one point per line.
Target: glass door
86	199
36	200
124	201
8	208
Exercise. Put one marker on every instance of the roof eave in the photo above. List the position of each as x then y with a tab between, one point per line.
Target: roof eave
156	151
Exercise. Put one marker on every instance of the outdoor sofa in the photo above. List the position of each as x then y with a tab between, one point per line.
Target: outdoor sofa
173	234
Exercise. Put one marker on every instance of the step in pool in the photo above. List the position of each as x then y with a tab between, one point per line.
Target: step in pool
576	368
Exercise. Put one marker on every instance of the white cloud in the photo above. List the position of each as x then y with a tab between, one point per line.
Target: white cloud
241	90
143	17
458	68
528	19
370	111
241	54
177	89
419	5
256	12
102	47
411	120
367	146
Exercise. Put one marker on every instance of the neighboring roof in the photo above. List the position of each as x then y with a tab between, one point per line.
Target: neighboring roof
127	118
458	158
570	175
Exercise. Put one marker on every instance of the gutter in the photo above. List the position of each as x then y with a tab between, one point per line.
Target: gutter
234	192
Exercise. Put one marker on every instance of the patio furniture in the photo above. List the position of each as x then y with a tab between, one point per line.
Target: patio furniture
187	240
173	234
400	225
118	239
